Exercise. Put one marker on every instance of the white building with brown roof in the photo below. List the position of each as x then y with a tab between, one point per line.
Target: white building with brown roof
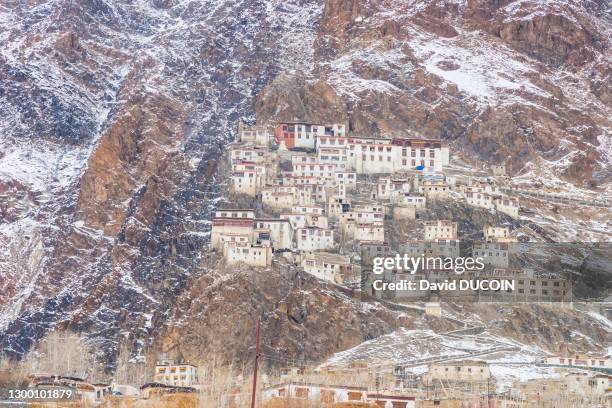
508	206
389	188
231	223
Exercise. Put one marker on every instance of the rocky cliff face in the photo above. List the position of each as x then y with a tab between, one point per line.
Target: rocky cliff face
504	81
113	116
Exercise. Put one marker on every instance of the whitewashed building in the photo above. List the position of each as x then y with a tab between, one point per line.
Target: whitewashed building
307	209
258	135
278	198
279	231
508	206
497	234
440	229
248	178
315	393
431	155
326	266
392	189
369	232
337	206
479	199
438	248
314	239
338	156
239	153
322	170
419	202
435	189
259	255
176	374
347	179
231	223
494	254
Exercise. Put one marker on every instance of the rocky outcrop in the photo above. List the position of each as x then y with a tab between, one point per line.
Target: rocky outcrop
301	317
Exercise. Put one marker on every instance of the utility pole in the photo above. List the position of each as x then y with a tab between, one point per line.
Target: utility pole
256	363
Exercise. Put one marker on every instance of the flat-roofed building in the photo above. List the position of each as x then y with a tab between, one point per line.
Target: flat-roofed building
419	202
280	231
250	254
304	135
347	179
314	239
278	198
337	206
176	374
321	170
258	135
435	189
374	249
508	206
494	254
369	232
326	266
371	155
445	248
307	209
497	234
479	199
248	178
240	153
580	360
467	371
389	188
231	222
315	393
338	156
429	154
440	229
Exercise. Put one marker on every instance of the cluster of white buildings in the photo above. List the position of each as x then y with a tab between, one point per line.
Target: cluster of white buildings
304	176
485	194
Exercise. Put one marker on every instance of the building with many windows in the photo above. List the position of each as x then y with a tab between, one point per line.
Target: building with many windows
176	374
314	239
440	229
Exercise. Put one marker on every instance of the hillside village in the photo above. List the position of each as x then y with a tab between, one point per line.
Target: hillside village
329	202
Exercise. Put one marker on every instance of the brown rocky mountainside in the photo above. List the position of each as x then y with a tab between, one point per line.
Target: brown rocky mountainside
522	82
113	116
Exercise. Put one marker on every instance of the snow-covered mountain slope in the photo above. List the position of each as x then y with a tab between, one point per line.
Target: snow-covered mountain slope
112	115
525	83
